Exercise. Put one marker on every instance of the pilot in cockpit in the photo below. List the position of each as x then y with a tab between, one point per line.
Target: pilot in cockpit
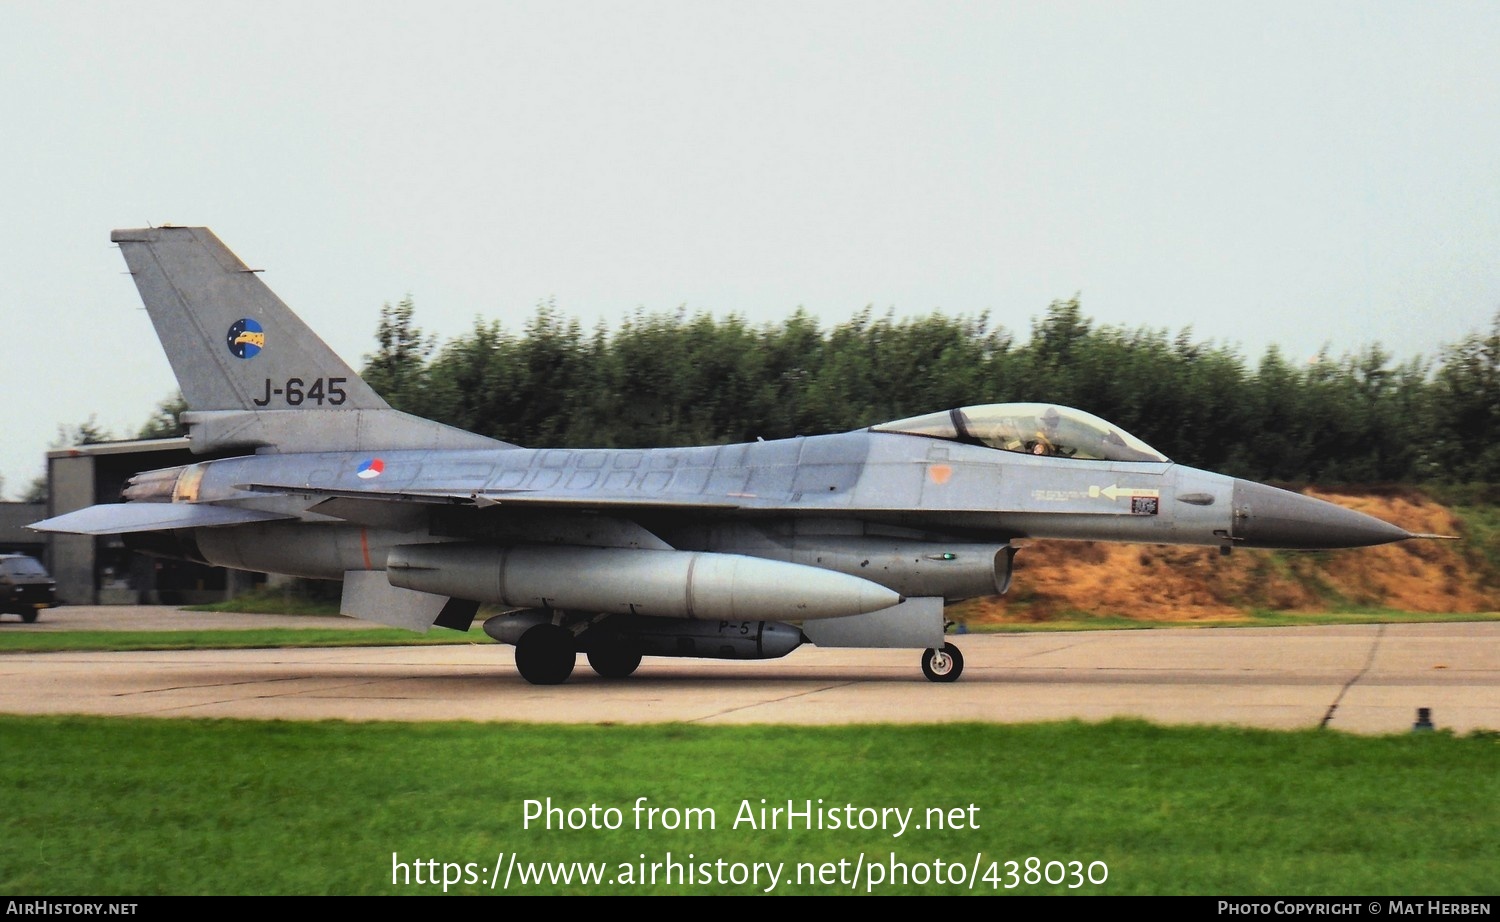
1044	440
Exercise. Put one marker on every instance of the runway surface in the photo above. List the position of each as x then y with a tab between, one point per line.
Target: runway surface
1361	679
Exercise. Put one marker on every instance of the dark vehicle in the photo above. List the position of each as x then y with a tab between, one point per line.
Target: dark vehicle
25	587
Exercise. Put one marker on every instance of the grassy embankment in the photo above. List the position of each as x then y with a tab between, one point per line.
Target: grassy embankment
1081	584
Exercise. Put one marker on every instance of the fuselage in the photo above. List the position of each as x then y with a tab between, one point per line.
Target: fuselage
832	501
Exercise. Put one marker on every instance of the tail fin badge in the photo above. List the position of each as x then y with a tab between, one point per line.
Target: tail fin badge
246	338
370	468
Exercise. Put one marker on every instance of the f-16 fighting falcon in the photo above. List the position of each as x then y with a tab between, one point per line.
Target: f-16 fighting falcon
857	539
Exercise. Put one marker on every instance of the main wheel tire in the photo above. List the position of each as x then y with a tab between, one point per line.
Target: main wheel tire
615	659
944	665
546	654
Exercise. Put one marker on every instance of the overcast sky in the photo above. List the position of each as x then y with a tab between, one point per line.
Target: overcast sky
1311	175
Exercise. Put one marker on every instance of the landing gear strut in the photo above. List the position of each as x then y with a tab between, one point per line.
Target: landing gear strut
944	665
546	654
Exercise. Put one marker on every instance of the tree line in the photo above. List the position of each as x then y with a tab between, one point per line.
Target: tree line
661	379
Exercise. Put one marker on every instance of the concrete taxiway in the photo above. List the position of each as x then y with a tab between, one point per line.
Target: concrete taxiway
1359	678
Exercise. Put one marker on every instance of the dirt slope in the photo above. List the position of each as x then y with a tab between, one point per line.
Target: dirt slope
1158	583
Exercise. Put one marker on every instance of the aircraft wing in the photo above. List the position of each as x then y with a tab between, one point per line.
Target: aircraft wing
122	518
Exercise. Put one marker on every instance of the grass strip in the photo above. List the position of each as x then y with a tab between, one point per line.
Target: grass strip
139	806
60	641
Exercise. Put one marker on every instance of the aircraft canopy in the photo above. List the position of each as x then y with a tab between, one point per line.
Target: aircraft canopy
1030	428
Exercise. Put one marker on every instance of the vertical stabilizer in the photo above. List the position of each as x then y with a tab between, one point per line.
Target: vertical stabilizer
253	375
232	343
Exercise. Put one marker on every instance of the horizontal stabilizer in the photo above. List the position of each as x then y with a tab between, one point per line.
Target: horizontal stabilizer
122	518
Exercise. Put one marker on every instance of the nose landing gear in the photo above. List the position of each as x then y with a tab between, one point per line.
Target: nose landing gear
944	665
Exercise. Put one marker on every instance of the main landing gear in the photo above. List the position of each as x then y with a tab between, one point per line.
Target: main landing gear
546	654
944	665
615	659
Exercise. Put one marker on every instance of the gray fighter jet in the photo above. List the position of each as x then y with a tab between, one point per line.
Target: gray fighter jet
744	551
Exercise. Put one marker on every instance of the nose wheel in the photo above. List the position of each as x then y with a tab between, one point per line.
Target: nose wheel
944	665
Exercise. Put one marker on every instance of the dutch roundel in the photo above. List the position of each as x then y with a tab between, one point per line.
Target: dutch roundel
370	468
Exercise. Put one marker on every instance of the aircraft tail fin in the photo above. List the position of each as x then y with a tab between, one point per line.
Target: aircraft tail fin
233	344
252	373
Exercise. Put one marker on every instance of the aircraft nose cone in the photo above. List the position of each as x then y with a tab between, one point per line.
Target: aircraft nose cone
1270	517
